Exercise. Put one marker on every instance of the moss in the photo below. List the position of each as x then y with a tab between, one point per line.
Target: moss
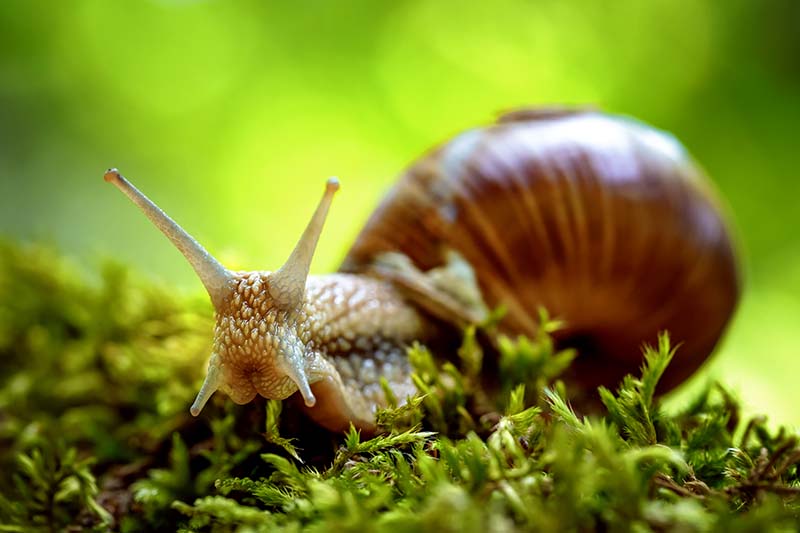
95	380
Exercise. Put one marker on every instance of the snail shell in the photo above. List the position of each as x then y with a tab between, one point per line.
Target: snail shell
602	220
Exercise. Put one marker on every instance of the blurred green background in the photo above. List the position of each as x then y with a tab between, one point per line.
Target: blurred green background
230	114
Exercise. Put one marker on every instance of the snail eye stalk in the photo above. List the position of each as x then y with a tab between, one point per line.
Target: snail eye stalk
215	277
287	285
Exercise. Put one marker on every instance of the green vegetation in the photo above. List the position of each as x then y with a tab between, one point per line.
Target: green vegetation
96	379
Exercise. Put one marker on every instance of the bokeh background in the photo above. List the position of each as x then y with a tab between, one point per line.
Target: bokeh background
230	114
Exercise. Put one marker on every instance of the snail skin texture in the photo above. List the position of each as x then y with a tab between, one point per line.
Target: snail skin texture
602	220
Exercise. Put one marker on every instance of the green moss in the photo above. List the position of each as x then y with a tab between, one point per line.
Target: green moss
95	380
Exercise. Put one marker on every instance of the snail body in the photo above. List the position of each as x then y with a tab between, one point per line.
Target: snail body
602	220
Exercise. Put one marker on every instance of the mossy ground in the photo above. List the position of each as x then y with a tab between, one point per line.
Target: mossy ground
96	379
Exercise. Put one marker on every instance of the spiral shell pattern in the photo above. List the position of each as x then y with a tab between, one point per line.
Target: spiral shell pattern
602	220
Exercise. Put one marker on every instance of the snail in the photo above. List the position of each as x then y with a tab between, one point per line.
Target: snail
602	220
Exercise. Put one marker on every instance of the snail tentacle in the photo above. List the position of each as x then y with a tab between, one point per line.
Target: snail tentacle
288	283
215	277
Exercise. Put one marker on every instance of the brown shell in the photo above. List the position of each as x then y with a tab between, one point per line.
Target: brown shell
603	220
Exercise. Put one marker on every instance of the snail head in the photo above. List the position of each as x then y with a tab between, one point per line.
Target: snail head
258	347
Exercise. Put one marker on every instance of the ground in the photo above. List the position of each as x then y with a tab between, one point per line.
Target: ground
96	376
